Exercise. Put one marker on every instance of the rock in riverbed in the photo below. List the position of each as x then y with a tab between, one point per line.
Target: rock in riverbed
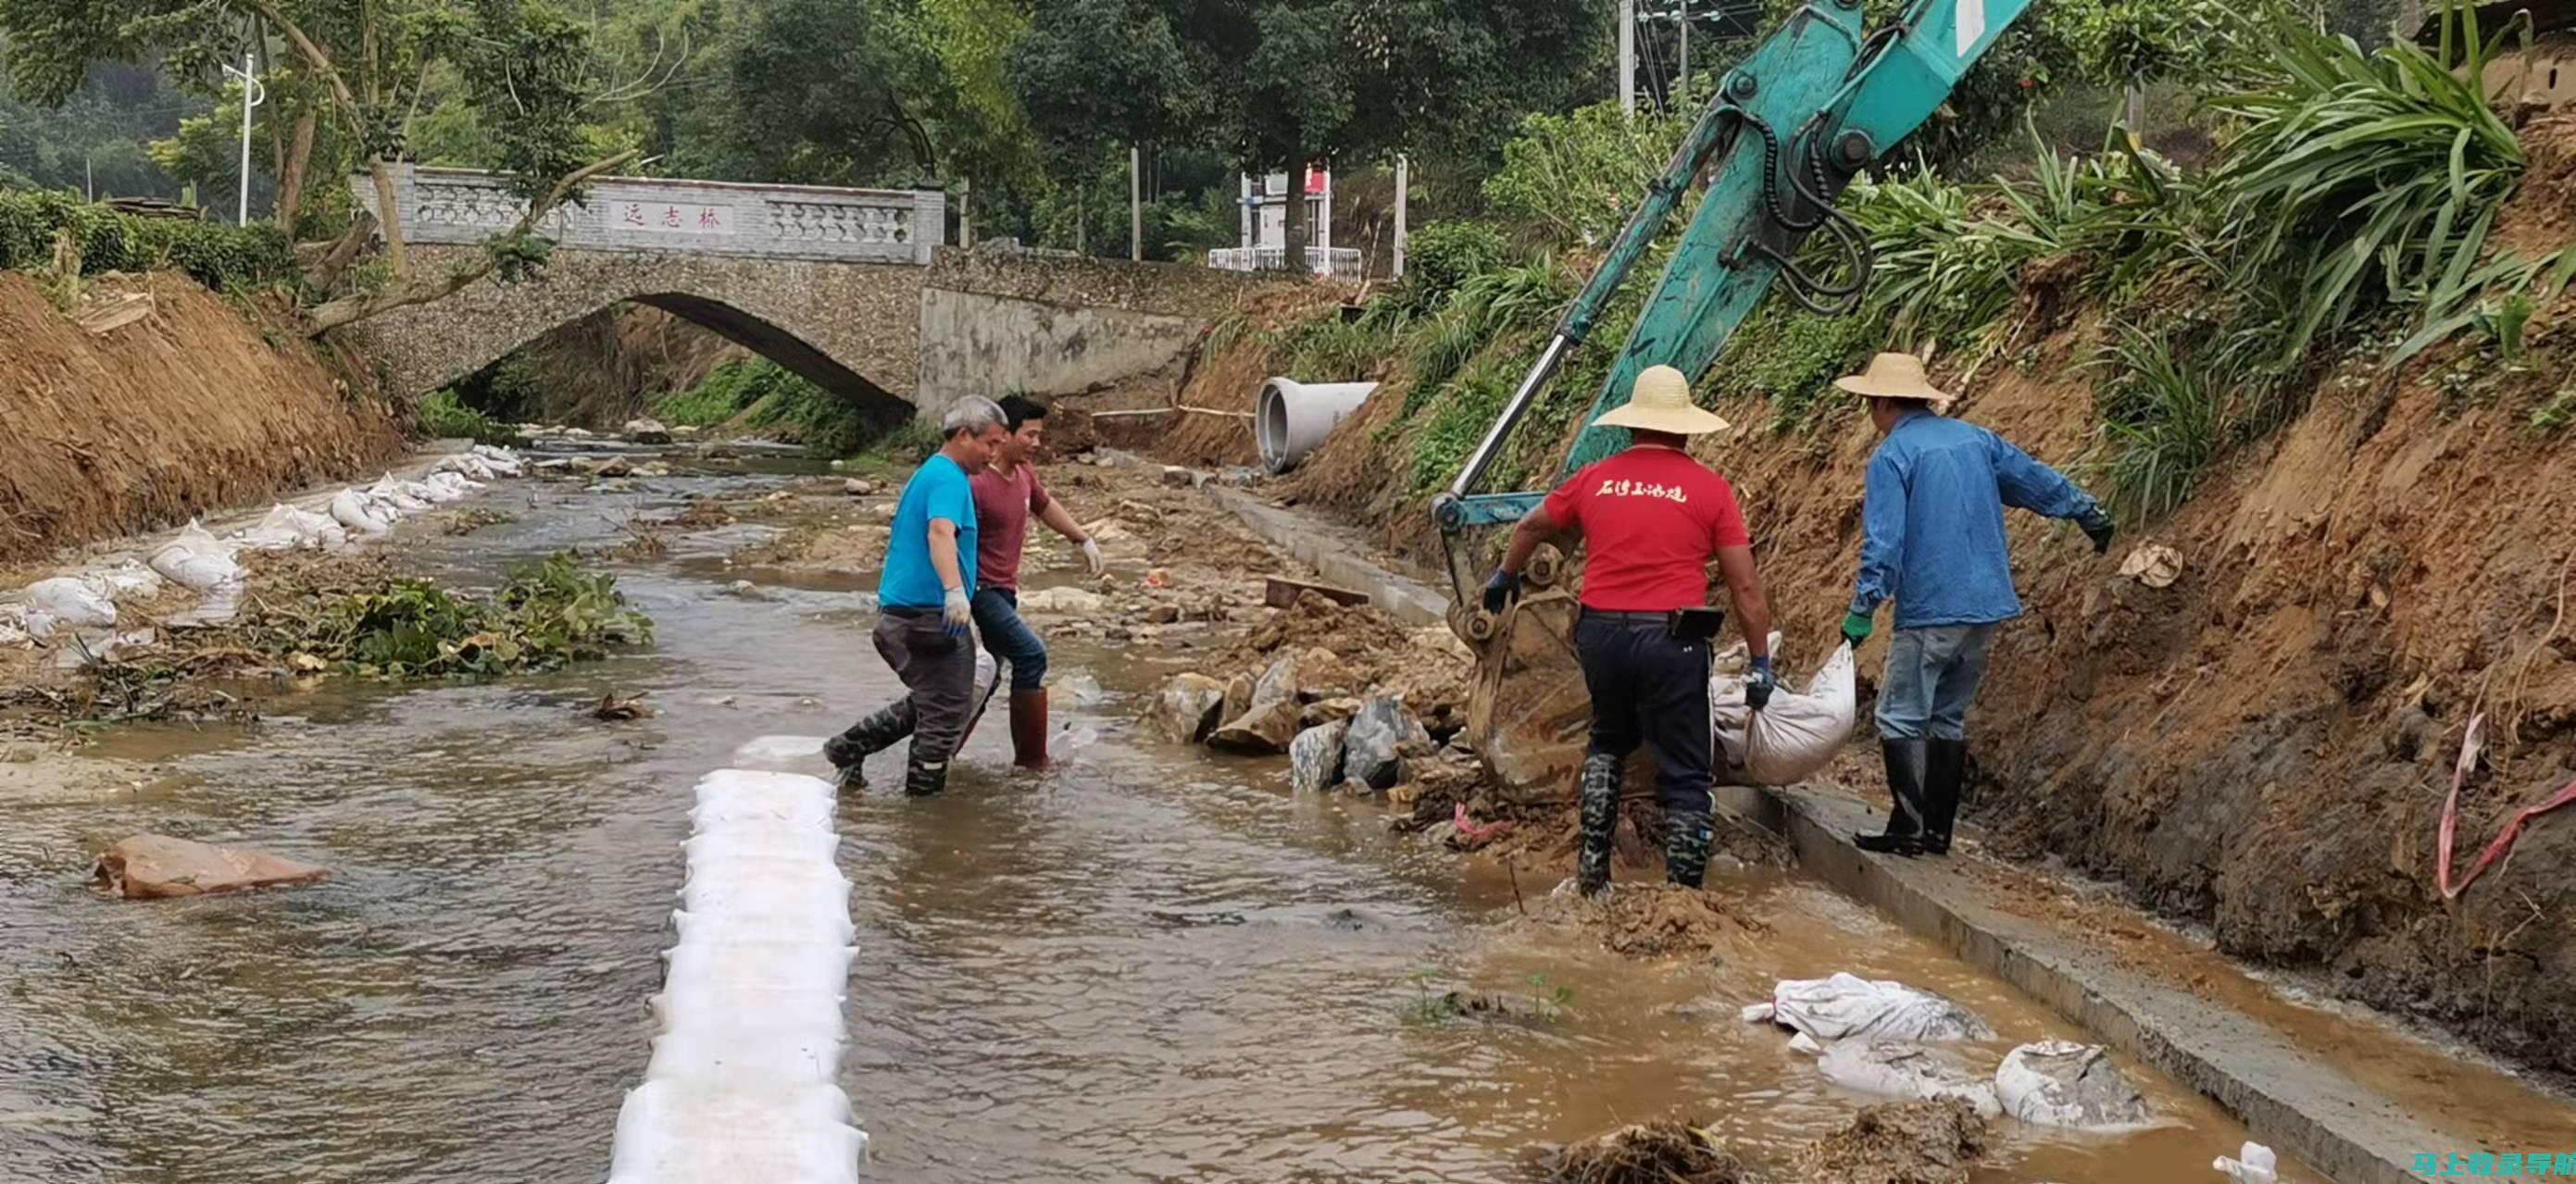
1315	757
1379	734
1185	709
2062	1083
647	431
147	867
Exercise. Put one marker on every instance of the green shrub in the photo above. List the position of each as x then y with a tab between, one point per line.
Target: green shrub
1443	255
1791	357
218	256
548	615
442	416
2160	418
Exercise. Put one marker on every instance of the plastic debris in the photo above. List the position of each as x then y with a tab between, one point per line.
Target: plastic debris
2254	1164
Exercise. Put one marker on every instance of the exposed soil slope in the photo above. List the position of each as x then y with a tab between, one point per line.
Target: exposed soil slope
2264	745
189	408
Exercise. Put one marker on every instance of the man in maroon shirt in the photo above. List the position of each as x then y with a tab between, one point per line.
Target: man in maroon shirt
1007	492
1652	518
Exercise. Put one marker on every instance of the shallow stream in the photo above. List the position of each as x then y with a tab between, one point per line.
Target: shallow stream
1153	965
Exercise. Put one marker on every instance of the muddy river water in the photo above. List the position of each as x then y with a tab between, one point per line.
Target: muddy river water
1152	965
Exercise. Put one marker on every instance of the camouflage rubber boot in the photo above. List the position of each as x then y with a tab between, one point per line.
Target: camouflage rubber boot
923	779
866	738
1600	825
1686	840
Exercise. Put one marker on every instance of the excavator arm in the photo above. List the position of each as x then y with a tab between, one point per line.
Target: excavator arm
1790	126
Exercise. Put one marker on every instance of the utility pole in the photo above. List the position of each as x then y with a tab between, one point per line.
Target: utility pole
253	94
1135	204
1628	56
1403	190
1685	103
89	177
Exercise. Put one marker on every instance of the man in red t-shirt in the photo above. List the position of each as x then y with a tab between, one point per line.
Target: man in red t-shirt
1651	518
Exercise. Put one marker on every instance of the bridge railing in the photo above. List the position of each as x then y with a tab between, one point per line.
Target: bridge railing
689	217
1338	262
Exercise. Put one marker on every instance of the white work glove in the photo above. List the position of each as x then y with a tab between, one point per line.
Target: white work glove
1091	557
958	611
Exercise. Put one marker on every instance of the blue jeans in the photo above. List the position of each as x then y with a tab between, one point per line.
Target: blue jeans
1009	639
1932	673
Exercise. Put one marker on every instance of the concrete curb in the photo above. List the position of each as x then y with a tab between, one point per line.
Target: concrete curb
1335	553
2287	1096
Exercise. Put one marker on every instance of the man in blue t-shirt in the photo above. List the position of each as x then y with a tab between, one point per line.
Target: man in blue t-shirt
924	610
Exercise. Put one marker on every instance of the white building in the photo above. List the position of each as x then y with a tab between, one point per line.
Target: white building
1263	242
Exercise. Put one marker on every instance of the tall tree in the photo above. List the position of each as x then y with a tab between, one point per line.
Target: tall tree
1092	75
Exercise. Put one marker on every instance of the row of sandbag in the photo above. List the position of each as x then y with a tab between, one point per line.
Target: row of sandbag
198	560
743	1081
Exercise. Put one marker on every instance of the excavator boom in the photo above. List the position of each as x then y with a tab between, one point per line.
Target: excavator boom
1790	126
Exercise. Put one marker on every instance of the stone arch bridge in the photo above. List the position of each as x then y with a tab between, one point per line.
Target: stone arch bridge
849	288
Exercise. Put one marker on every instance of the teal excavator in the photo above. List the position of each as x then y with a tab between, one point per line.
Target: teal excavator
1789	127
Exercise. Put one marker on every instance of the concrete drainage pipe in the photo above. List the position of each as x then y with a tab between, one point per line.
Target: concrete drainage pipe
1291	417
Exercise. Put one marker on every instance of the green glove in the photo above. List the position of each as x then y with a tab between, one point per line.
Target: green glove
1856	628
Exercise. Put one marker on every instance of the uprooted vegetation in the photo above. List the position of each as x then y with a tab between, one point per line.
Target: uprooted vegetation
549	614
1926	1142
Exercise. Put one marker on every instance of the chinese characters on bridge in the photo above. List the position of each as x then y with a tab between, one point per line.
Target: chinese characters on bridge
663	217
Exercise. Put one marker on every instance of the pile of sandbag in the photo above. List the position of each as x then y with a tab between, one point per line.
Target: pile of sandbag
1797	734
287	528
375	509
1885	1037
742	1084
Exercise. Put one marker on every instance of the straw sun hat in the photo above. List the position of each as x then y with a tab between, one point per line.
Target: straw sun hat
1896	376
1660	401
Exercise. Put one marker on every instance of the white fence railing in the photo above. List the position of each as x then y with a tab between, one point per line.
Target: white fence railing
693	217
1337	262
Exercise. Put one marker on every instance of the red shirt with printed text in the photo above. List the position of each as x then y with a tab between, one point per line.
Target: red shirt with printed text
1651	518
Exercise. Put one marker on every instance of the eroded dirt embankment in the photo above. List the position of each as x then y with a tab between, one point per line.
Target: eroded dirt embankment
194	406
2264	745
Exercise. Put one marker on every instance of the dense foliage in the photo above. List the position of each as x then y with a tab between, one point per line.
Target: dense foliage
549	614
220	256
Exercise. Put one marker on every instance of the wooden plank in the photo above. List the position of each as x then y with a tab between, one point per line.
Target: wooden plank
1279	593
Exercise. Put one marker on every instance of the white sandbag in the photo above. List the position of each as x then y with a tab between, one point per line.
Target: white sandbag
1896	1069
761	784
286	528
394	493
456	483
501	461
787	806
2063	1083
201	570
2254	1164
350	508
130	579
734	1133
774	843
1845	1006
464	464
69	601
739	1048
798	966
791	922
1796	734
723	885
673	1010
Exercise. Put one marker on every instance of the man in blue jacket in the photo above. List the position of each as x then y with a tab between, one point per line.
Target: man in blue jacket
1932	539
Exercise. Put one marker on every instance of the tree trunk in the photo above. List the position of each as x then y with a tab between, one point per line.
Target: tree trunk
1081	214
290	172
405	290
1293	221
388	212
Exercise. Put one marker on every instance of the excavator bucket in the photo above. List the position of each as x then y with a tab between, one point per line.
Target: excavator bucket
1528	713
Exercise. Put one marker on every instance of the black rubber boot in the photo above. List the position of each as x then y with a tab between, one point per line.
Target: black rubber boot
1600	815
1906	760
922	778
1943	771
868	737
1686	839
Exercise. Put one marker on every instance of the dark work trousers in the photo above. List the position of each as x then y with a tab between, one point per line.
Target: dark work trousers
1650	688
937	670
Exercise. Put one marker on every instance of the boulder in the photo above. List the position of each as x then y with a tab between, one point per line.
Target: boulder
1178	477
1266	729
1063	601
1163	614
1380	735
1328	711
1322	674
1315	757
1186	708
614	466
1238	695
1897	1069
858	487
647	431
148	867
2063	1083
1278	684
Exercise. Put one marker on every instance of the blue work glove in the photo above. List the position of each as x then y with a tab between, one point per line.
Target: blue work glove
2097	527
1856	627
958	612
1759	685
1500	590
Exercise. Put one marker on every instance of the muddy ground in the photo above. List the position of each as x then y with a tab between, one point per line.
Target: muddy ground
1927	1142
